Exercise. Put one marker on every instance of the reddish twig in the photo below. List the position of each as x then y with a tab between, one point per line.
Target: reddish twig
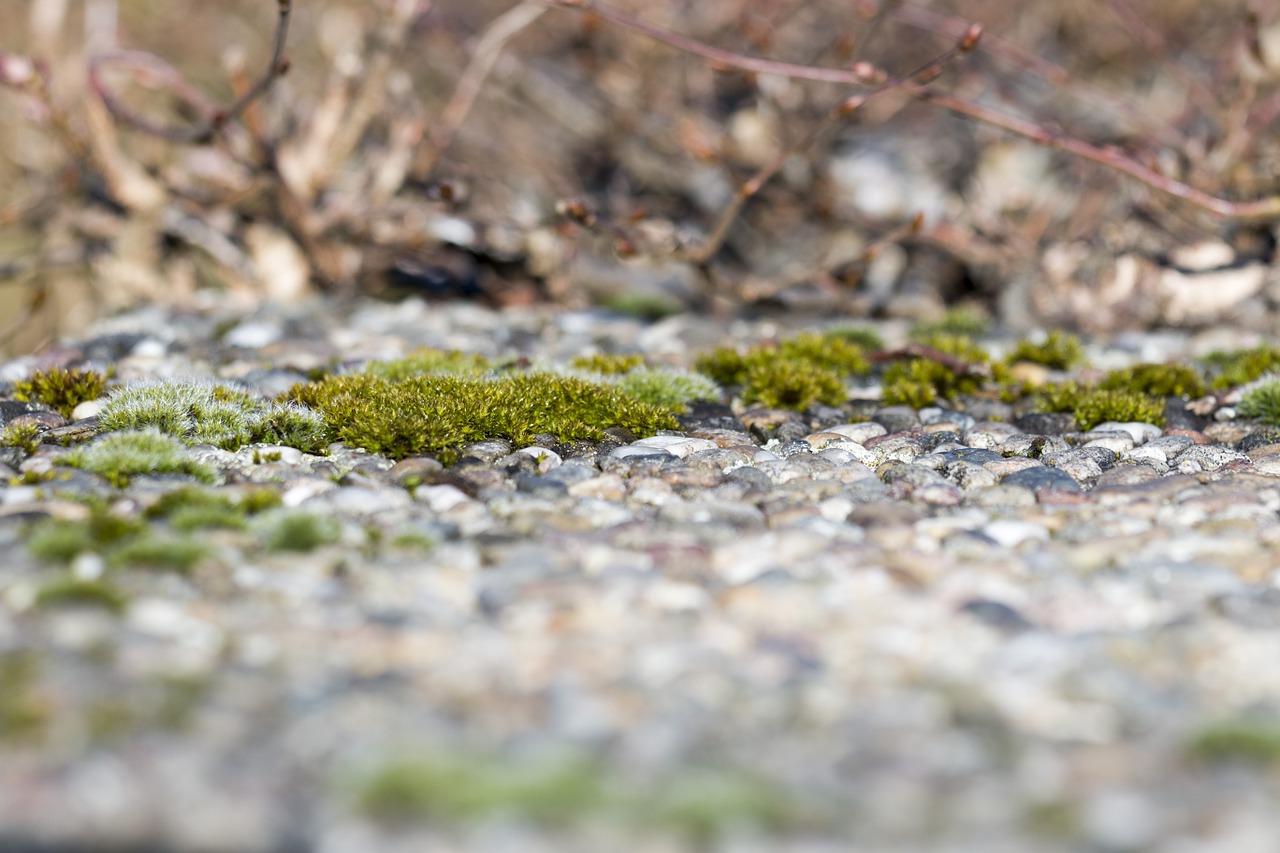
917	350
213	117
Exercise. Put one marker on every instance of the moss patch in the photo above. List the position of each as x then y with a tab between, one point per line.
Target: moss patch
1160	380
1092	406
212	413
61	388
437	414
1245	740
1229	369
795	374
122	455
1058	351
429	360
1262	403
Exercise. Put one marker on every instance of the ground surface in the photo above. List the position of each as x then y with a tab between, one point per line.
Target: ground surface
768	630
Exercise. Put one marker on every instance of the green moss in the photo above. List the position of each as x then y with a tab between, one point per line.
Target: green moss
297	531
913	386
830	352
23	436
81	593
1092	406
1058	351
725	365
24	715
429	360
1229	369
643	306
211	413
668	387
458	791
1262	403
61	540
792	384
438	414
862	336
608	363
158	552
413	541
962	320
1251	741
122	455
61	388
702	805
1160	380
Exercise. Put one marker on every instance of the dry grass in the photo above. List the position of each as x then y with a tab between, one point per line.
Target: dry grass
428	144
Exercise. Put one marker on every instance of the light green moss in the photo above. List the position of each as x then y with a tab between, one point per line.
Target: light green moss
962	320
438	414
1255	741
289	530
792	384
119	456
1230	369
608	363
1262	403
61	388
668	387
199	412
23	436
81	593
158	552
61	540
429	360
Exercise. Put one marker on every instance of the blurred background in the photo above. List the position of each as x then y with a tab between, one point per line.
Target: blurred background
433	149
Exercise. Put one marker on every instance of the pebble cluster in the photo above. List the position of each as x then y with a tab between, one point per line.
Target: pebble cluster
920	631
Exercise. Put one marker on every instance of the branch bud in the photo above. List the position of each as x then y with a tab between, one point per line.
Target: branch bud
970	38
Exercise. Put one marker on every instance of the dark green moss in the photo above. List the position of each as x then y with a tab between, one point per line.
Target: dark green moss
608	363
60	540
792	384
61	388
1230	369
1160	380
1058	351
297	531
158	552
24	716
438	414
194	508
1092	406
1249	741
81	593
962	320
725	365
120	456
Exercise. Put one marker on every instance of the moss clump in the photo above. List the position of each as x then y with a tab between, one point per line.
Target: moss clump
121	455
158	552
192	508
1160	380
60	540
428	360
1262	403
1058	351
81	593
1249	741
962	320
61	388
438	414
24	715
668	387
1092	406
866	338
796	373
23	436
792	384
553	793
919	382
1229	369
642	306
211	413
608	364
297	531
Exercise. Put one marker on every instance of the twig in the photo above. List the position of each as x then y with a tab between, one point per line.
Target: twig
1264	209
213	116
483	57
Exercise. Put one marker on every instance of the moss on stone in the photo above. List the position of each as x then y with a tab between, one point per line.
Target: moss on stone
429	360
75	592
1253	741
438	414
61	540
1160	380
1262	403
1232	368
296	531
1092	406
1057	351
792	384
119	456
61	388
608	363
199	412
962	320
26	437
668	387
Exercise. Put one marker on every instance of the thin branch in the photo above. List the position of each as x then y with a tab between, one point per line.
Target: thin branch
213	117
483	57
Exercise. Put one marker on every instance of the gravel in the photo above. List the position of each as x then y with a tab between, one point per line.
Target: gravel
928	631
